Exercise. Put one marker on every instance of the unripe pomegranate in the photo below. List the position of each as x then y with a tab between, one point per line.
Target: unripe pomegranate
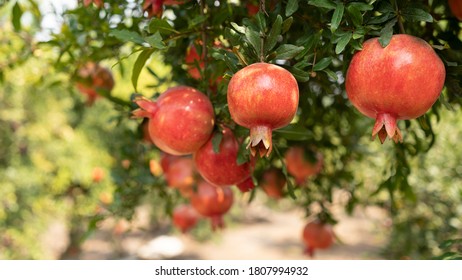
299	166
246	185
92	78
398	82
180	121
221	169
185	217
262	97
456	8
273	182
317	235
212	202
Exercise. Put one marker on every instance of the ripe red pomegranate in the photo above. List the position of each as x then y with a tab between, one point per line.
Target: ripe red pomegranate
221	169
153	8
273	182
192	59
180	121
456	8
93	78
317	235
398	82
252	8
98	3
212	202
299	166
262	97
181	174
185	217
246	185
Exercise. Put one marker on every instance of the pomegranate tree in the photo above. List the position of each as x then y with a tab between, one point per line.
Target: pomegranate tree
300	166
185	217
212	202
456	8
221	168
273	182
317	235
262	97
398	82
180	121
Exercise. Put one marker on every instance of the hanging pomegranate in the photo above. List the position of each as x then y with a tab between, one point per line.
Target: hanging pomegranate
185	217
273	182
398	82
317	235
262	97
300	166
181	120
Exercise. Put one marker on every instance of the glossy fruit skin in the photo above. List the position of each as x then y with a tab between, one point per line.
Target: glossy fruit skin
399	82
185	217
181	120
262	97
456	8
317	235
212	202
221	169
300	167
273	182
93	78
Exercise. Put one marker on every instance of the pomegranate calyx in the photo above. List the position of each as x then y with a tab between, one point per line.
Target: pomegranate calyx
148	108
261	141
385	125
217	222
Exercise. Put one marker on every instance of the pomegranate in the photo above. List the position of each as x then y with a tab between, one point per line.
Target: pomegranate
180	121
246	185
262	97
93	78
98	3
192	59
317	235
299	166
181	175
398	82
153	8
212	202
273	182
166	160
185	217
456	8
221	169
252	8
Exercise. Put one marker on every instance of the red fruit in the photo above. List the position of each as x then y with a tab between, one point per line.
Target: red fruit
180	121
398	82
185	217
262	97
173	2
153	8
93	78
456	8
212	202
221	169
299	166
97	174
181	173
192	59
98	3
252	9
273	182
246	185
317	236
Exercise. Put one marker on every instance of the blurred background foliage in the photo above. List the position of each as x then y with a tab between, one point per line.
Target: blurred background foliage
62	160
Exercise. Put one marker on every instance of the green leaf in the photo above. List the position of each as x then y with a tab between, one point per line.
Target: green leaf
139	64
322	64
355	15
331	74
16	17
292	7
343	42
242	155
416	14
254	39
155	41
387	32
261	21
299	74
361	6
287	51
161	26
337	16
197	20
127	36
287	24
216	140
328	4
273	36
233	37
238	28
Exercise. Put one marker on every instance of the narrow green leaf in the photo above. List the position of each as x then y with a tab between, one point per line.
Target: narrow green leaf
161	26
322	64
292	7
387	32
355	15
337	16
216	140
344	40
261	21
328	4
254	39
287	51
416	14
155	41
331	74
299	74
127	36
361	6
287	24
16	16
139	64
273	36
238	28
